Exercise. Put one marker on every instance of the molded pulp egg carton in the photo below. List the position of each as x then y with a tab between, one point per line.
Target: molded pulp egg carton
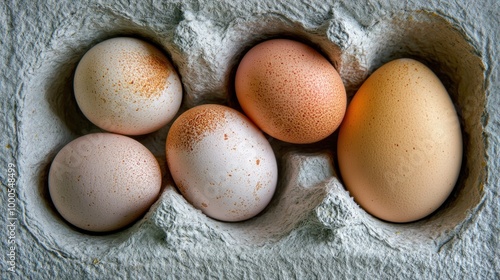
312	227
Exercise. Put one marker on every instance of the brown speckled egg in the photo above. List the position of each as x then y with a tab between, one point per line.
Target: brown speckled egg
127	86
290	91
102	181
221	162
400	144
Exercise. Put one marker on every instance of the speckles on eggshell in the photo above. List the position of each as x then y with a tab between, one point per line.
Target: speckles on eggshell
219	156
127	86
290	91
145	73
194	124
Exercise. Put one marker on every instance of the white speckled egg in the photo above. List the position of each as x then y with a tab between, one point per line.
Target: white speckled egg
102	181
127	86
221	162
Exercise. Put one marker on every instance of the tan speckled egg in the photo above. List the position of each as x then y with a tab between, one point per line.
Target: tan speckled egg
290	91
103	182
127	86
400	144
221	162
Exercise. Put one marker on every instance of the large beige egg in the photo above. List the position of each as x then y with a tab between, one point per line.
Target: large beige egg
127	86
400	144
221	162
290	91
102	181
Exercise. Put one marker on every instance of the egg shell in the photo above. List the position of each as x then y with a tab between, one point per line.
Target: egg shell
290	91
102	182
400	144
127	86
221	162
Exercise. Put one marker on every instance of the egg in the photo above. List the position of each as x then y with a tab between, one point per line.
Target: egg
127	86
102	182
221	162
290	91
400	144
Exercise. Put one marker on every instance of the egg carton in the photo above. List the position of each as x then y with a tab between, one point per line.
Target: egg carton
312	228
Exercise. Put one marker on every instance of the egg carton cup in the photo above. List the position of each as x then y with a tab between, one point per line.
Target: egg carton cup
312	228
